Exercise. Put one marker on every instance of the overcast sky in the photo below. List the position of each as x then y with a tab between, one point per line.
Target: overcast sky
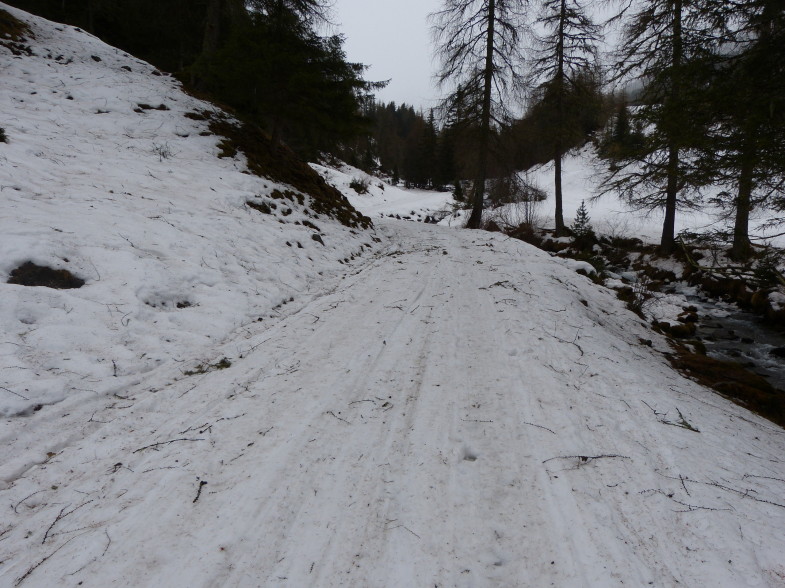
393	37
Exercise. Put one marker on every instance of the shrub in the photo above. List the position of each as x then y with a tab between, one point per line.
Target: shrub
359	185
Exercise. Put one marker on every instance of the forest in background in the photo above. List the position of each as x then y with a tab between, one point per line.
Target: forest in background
709	118
266	60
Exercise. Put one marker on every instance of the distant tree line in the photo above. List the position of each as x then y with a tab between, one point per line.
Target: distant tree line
407	146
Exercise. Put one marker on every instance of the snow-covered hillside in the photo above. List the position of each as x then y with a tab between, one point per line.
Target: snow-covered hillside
381	199
611	216
230	402
105	176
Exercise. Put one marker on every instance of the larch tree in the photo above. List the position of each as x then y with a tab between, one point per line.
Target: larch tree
745	147
479	46
661	42
566	53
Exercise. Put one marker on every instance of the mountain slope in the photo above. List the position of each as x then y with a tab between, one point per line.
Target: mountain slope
112	172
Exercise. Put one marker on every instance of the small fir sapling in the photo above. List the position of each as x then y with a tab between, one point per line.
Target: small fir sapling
583	234
3	136
581	227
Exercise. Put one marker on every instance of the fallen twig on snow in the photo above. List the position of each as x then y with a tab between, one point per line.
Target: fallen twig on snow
586	458
25	498
14	393
690	507
32	568
539	427
61	515
331	413
156	445
745	476
202	484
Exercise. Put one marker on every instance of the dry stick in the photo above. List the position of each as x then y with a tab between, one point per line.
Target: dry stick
154	445
18	504
690	507
331	413
14	393
108	544
745	476
745	494
654	411
33	568
539	427
684	485
202	484
585	458
61	516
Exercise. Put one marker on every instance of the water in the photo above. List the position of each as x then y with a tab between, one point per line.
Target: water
733	334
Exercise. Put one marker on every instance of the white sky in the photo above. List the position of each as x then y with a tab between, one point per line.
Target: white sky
393	37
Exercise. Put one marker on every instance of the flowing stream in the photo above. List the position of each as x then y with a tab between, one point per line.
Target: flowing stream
733	334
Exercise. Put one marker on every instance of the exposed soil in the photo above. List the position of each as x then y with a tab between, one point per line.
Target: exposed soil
30	274
280	164
733	381
14	34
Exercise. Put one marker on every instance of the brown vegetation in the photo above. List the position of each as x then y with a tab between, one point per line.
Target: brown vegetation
733	381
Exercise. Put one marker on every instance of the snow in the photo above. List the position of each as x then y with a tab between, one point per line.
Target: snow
85	188
384	199
578	266
777	300
612	217
451	408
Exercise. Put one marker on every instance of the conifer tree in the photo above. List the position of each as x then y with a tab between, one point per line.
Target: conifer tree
565	54
661	43
581	226
745	147
479	44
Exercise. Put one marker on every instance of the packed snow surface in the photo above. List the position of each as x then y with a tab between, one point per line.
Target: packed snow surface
447	408
460	410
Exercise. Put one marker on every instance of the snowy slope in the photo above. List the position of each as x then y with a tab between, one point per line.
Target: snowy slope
460	411
136	202
453	408
611	216
382	199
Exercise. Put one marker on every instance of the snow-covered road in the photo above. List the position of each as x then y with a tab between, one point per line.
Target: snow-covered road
459	410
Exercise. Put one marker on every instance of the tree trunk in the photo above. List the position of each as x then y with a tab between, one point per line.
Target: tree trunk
668	239
475	220
91	16
742	248
560	229
559	213
672	189
212	27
